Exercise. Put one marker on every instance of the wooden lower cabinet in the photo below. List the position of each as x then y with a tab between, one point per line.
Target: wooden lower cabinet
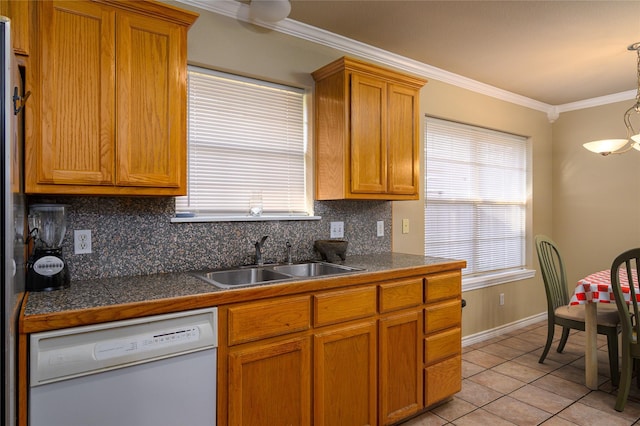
371	354
345	375
443	337
269	384
400	366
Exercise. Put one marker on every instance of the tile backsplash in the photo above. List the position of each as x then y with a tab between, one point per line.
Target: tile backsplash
134	236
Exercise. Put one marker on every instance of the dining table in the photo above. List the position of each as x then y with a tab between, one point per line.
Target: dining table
590	291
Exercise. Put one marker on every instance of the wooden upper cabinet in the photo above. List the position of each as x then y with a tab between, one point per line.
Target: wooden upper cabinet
109	83
368	135
404	160
367	125
76	97
151	102
19	11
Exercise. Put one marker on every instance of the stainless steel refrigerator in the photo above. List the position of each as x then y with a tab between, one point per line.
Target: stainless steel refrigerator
13	220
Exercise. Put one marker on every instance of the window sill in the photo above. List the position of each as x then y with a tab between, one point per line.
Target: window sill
265	218
489	280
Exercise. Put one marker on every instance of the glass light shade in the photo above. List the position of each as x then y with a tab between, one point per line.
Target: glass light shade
636	139
606	146
270	10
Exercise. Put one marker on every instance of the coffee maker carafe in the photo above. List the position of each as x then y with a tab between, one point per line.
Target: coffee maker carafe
46	268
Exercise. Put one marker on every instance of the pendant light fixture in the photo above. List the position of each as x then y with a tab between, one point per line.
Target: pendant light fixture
619	146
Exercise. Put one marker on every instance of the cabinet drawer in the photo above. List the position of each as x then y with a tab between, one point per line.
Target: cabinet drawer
442	345
344	305
399	295
442	380
442	286
442	315
260	320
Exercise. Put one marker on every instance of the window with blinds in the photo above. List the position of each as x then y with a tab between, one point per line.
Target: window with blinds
476	196
245	136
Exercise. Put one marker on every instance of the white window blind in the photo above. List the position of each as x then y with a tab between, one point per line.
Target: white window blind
244	136
475	196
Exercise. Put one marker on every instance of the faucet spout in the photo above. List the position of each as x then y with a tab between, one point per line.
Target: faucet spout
259	245
289	260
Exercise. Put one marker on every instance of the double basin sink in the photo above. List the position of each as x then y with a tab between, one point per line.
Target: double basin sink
253	275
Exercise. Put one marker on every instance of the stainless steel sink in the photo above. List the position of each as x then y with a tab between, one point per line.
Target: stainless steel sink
246	276
313	269
240	277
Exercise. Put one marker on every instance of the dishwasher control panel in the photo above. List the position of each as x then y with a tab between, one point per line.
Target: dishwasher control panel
68	353
146	343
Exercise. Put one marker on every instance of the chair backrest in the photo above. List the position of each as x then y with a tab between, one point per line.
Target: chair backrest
553	273
627	264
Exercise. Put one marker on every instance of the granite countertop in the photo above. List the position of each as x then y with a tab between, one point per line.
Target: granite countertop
88	298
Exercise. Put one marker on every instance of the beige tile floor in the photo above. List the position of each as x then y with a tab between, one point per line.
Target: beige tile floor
503	384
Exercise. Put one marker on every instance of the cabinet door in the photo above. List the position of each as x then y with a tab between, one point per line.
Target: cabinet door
400	377
368	135
269	384
345	375
19	12
151	102
404	162
77	95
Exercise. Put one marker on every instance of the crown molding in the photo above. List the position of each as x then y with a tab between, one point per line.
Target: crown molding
240	11
601	100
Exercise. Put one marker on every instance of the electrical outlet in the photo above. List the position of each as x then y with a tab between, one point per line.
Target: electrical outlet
381	228
405	226
82	241
337	229
501	299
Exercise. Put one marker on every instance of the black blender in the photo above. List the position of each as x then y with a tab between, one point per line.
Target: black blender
46	268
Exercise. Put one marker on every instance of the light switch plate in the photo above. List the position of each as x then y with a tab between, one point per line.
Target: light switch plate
405	226
381	228
337	229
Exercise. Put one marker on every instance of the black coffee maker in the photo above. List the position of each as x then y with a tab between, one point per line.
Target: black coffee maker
46	268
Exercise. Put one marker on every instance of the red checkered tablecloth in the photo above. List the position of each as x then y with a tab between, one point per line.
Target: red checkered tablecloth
597	288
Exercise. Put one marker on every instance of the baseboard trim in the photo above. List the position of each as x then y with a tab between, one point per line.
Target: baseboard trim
498	331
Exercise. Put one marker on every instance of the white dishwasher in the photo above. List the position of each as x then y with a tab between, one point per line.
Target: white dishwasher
158	370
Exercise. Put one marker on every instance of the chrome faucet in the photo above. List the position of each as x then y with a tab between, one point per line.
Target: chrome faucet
289	261
259	245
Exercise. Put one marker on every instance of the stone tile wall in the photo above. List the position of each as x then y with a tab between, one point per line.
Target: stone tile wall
134	236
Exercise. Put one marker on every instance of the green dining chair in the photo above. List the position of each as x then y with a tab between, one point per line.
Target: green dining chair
627	263
559	312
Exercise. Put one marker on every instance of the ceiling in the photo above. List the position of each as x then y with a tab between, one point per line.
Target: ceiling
554	52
